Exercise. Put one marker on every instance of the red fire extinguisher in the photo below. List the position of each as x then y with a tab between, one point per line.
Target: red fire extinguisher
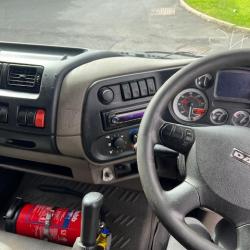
59	225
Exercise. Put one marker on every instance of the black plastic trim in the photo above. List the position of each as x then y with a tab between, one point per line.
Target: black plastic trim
35	166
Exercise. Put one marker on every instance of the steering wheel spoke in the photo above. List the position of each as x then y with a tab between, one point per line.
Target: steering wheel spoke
183	198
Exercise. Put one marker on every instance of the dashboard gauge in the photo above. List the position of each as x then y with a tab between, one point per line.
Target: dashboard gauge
241	118
204	81
219	116
190	105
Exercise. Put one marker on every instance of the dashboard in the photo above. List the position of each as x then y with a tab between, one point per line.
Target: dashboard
114	107
75	113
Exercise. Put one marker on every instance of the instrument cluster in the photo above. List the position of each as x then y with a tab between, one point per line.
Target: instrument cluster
216	98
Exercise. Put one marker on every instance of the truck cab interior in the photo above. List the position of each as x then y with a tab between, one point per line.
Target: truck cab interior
152	146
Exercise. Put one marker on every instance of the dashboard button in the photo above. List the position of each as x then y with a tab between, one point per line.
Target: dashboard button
40	118
126	91
4	114
30	118
119	143
143	88
21	118
189	136
135	89
106	95
151	86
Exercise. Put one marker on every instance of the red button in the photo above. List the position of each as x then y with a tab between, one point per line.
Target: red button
40	118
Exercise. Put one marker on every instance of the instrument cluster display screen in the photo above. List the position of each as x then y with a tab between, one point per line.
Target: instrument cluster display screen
233	84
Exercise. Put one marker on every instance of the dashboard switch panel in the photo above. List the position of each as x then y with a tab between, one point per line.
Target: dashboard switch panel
138	89
115	145
31	117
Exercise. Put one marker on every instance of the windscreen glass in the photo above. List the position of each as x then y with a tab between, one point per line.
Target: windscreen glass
128	25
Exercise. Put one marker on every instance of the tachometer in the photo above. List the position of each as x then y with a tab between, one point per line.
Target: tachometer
190	105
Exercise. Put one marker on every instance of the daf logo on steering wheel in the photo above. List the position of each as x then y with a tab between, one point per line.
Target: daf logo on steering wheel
241	156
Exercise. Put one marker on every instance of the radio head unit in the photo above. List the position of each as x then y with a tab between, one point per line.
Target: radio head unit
122	118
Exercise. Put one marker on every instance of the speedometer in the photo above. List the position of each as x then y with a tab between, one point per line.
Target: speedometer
190	105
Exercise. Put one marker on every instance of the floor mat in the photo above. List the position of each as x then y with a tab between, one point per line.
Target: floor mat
127	212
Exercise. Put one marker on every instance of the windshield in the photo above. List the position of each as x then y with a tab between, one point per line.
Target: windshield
194	26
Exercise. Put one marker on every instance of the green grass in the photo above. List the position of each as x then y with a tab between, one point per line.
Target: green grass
233	11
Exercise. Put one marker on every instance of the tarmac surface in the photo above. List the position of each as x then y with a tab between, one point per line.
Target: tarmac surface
118	25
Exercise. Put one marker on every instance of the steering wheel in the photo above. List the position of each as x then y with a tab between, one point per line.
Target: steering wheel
216	177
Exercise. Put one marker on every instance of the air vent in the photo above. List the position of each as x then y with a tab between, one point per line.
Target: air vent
24	78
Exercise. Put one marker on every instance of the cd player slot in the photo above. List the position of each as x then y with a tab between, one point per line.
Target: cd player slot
132	116
122	118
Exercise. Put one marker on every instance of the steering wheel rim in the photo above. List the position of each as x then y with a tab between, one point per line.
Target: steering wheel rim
172	206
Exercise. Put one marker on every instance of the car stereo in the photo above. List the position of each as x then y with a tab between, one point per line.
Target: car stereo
233	85
121	118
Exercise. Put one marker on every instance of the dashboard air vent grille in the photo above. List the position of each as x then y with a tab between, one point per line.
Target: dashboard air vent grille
25	78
